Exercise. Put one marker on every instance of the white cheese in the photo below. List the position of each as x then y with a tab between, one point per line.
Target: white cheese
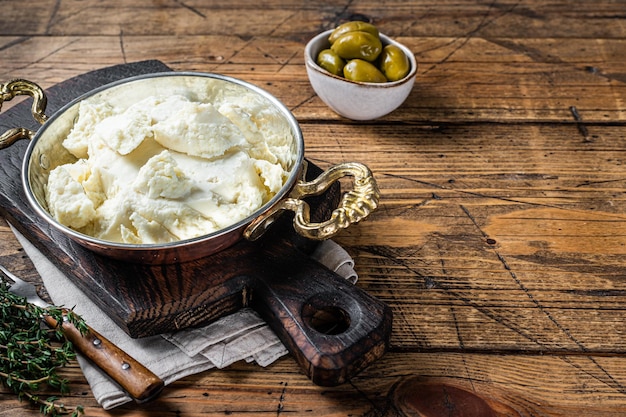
170	168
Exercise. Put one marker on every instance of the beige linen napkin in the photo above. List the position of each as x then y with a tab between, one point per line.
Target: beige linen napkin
239	336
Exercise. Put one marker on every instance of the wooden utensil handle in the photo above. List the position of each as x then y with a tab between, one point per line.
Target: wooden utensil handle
140	383
333	328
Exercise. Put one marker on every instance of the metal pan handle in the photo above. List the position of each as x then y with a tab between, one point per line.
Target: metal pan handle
354	206
16	88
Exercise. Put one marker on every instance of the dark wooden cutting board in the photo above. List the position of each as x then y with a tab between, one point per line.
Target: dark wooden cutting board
333	328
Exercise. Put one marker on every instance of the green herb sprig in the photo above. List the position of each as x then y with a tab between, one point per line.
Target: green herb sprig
31	354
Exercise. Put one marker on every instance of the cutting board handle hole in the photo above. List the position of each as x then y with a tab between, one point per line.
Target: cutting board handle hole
326	320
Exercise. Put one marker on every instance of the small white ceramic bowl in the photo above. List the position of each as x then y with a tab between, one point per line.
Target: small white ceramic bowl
357	100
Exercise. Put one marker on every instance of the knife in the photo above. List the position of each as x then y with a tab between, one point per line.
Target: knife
140	383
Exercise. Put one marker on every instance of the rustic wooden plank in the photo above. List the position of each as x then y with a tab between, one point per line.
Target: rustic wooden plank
590	385
449	18
489	248
475	80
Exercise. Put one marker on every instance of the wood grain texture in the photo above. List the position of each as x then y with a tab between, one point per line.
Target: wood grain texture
500	240
520	384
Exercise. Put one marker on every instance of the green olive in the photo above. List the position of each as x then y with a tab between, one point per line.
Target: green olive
354	26
363	71
394	63
331	62
361	45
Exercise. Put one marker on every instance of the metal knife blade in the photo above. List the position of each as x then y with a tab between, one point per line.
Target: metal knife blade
140	383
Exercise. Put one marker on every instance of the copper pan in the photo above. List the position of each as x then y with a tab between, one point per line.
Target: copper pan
45	152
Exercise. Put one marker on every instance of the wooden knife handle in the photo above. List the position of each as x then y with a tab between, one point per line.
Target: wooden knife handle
140	383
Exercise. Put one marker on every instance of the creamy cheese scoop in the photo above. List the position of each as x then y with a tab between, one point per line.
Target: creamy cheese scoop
169	168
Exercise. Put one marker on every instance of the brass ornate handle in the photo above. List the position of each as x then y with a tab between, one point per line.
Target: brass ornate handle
354	206
16	88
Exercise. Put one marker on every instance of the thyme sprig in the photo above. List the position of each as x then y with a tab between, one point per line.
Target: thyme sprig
31	354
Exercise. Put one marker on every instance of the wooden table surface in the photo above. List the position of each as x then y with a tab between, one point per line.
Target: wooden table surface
500	243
